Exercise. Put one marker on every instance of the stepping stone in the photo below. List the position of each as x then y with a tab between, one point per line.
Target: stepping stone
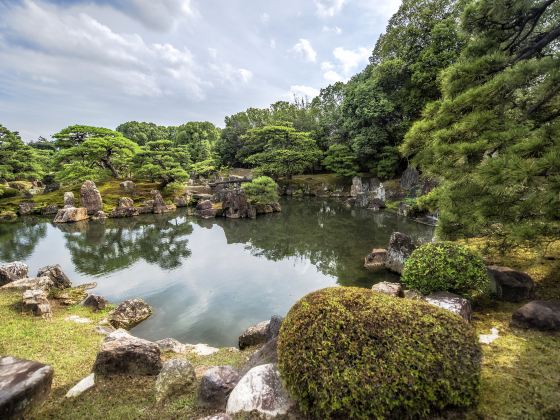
538	315
24	384
452	302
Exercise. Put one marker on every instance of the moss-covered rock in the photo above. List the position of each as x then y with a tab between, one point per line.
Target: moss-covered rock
446	266
351	353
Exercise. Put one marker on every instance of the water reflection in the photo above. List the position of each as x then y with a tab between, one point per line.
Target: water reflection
209	279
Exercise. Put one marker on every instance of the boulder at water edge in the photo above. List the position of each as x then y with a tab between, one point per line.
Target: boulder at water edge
451	302
375	260
263	356
260	392
177	377
71	214
24	384
129	313
216	385
91	197
400	248
69	199
125	208
538	315
254	335
511	285
12	271
55	273
95	302
122	353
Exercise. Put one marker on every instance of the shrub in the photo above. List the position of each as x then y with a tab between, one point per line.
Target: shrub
7	192
351	353
445	266
261	190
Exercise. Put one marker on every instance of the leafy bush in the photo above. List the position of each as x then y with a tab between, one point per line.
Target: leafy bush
351	353
7	192
261	190
445	266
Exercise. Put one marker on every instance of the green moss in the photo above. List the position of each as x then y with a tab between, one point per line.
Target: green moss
446	266
352	353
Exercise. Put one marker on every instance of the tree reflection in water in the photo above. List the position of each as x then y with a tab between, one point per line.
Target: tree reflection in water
18	240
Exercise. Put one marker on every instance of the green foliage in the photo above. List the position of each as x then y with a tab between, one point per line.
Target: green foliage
92	153
445	266
163	162
494	137
341	160
143	132
352	353
281	151
204	168
199	137
7	192
18	161
261	190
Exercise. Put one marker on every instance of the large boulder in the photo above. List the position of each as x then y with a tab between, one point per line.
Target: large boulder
95	302
375	260
260	392
177	377
91	197
55	273
159	205
122	353
130	313
410	178
254	335
400	247
236	205
451	302
511	285
216	385
36	302
183	200
24	384
12	271
205	209
69	199
125	208
388	288
71	214
538	315
42	283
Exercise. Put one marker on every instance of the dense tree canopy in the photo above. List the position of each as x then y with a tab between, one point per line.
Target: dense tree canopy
162	161
18	161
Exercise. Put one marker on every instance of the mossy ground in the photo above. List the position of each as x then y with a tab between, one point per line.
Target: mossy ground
70	348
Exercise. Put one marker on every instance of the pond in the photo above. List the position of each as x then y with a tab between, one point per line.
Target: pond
208	280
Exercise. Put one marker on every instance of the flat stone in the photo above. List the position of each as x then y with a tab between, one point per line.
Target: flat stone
451	302
201	349
122	353
375	260
77	319
129	313
43	283
538	315
260	392
400	247
254	335
55	273
216	385
24	384
511	285
388	288
177	377
82	386
219	416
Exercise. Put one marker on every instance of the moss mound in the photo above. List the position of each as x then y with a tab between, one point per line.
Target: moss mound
350	353
445	266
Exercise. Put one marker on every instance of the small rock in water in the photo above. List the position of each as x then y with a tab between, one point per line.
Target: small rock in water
176	377
129	313
82	386
489	338
375	260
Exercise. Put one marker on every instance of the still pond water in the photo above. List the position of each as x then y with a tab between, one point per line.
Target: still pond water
207	280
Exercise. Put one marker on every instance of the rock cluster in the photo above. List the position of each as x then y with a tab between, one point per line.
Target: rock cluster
13	271
36	302
125	208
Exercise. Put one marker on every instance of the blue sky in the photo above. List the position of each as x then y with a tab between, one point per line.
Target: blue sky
102	62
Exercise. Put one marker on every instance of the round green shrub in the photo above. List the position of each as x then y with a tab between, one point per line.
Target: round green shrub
445	266
261	190
348	352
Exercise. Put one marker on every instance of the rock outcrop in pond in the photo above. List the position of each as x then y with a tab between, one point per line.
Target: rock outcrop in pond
125	208
129	313
91	197
400	248
71	214
13	271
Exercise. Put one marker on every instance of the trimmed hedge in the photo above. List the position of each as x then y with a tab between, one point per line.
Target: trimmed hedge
261	190
445	266
348	352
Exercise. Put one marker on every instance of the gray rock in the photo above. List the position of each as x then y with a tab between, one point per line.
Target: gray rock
511	285
69	199
177	377
36	302
24	384
413	294
254	335
260	392
127	186
205	210
400	248
172	345
129	313
405	210
235	204
12	271
95	302
26	208
182	201
274	326
82	386
410	178
122	353
91	198
388	288
159	206
71	214
42	283
216	385
265	355
49	210
541	315
219	416
125	208
375	260
452	302
55	273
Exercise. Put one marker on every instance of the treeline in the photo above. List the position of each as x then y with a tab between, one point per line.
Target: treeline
468	91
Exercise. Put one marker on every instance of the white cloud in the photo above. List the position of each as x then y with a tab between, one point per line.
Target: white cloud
329	72
159	15
351	59
213	52
334	29
329	8
301	91
272	43
246	75
305	50
265	18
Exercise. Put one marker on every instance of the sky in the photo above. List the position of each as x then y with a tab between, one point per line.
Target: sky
102	63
